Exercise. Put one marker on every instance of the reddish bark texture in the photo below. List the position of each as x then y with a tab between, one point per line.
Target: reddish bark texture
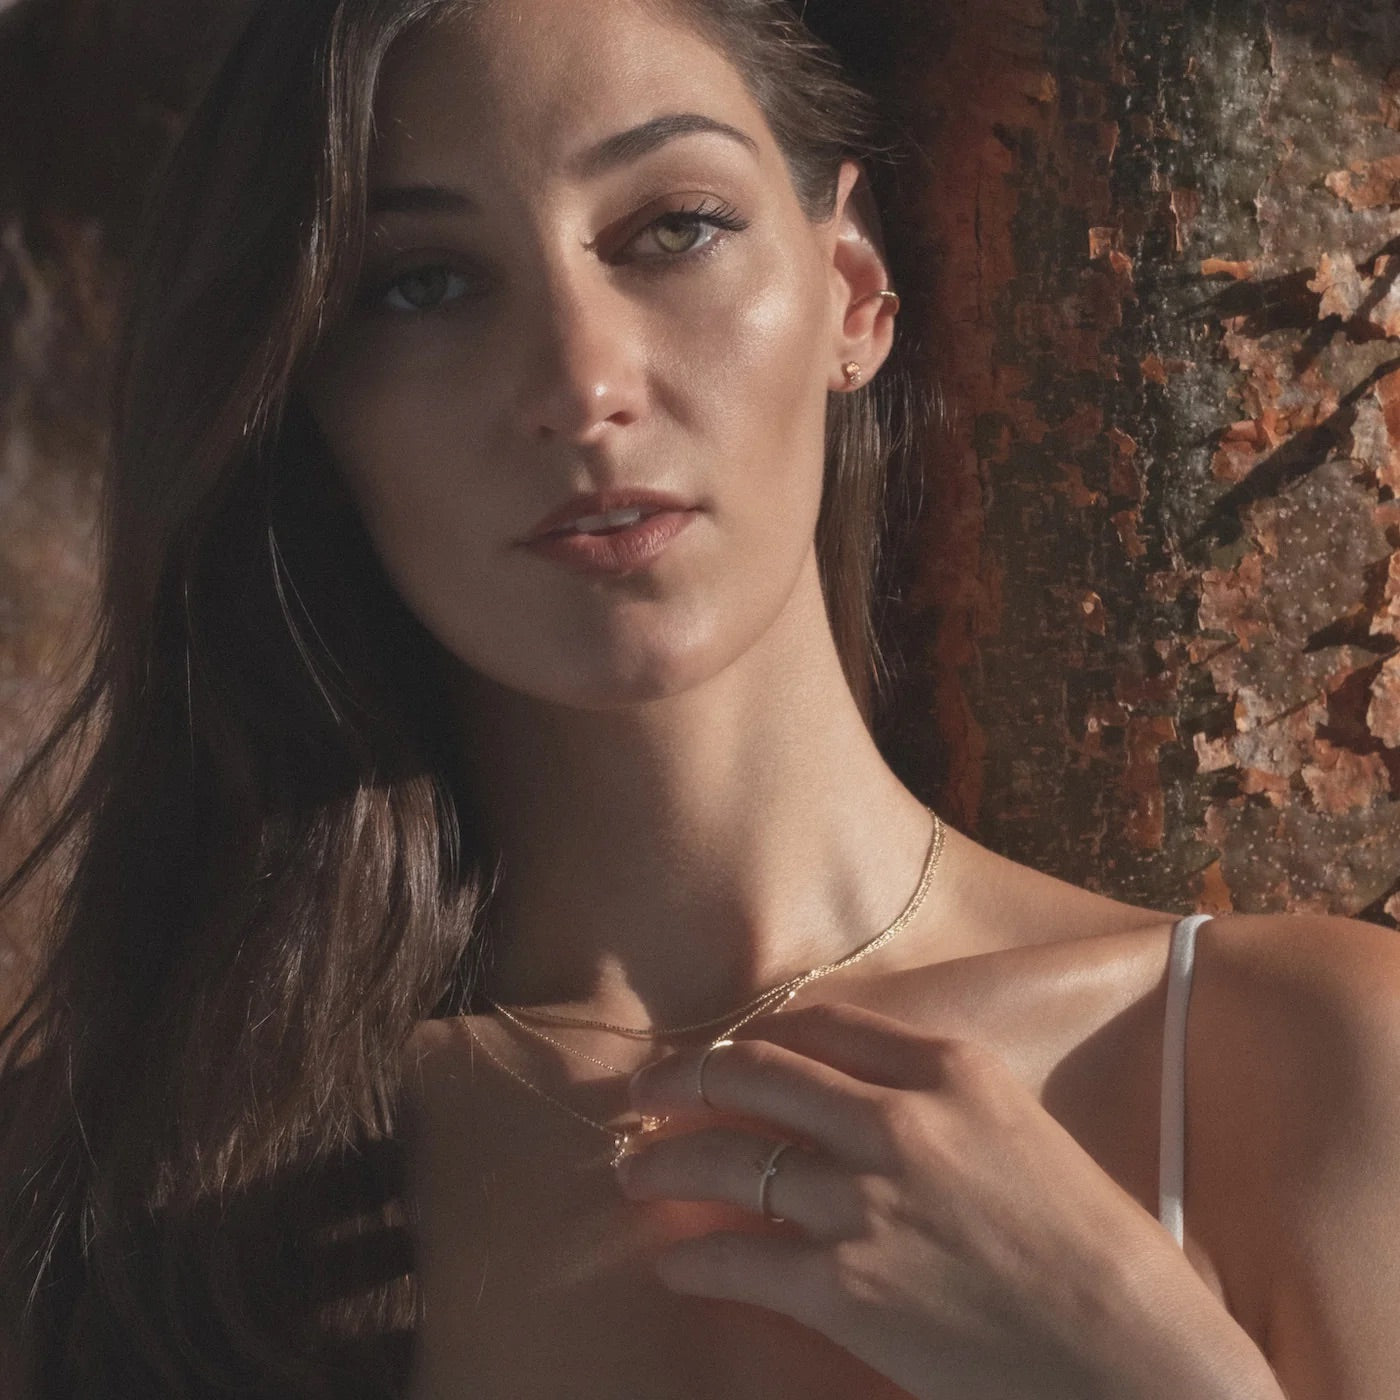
1164	566
1154	638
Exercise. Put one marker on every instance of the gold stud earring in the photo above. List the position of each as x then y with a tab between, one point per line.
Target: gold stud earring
853	372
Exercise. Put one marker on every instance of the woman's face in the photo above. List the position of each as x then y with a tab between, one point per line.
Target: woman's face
562	300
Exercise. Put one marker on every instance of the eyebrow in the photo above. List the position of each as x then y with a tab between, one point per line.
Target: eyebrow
631	145
610	153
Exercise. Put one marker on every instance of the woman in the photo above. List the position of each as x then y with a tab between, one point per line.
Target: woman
480	716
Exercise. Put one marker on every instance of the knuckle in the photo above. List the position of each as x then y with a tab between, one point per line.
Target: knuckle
752	1054
837	1012
870	1123
843	1013
958	1062
853	1275
897	1124
960	1055
875	1201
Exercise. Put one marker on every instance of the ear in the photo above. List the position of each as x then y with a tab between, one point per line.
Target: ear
863	321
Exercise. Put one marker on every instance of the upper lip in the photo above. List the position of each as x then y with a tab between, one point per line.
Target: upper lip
600	503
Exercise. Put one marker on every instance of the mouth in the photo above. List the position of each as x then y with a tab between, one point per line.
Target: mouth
609	523
606	513
615	542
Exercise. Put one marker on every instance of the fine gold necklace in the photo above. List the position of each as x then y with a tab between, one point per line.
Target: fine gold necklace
558	1018
555	1018
621	1140
782	993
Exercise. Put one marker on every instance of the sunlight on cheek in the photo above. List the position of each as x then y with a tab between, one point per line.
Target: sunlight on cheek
783	337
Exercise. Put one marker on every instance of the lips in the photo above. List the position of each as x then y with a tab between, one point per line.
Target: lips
605	510
619	552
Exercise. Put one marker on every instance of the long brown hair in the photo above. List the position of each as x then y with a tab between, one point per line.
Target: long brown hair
269	876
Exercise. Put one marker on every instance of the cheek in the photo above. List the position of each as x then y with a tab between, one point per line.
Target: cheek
400	438
775	416
747	376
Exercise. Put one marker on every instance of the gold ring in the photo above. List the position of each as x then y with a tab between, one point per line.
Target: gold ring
700	1070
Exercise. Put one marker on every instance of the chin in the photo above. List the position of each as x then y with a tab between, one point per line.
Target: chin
615	675
574	654
629	683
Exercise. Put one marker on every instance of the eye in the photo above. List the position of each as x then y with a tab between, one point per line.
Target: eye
681	233
422	289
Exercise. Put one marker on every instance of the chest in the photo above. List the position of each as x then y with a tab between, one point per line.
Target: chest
536	1272
544	1290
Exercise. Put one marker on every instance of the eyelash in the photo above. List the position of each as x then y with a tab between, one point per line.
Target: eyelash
722	217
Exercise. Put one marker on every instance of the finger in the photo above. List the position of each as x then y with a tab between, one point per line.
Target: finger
778	1272
724	1164
863	1044
759	1080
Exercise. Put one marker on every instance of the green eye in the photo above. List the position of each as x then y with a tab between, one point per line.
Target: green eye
678	233
683	233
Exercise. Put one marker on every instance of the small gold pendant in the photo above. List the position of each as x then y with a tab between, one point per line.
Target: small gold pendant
649	1124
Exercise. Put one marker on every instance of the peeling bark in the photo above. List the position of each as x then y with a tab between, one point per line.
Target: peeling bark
1180	220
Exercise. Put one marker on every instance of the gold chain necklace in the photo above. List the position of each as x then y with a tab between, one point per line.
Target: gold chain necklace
754	1007
621	1140
554	1018
557	1018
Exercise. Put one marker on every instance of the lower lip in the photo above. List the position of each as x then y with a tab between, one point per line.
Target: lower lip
619	552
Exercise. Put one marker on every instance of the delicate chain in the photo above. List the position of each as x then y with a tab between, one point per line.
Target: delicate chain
753	1008
647	1121
620	1140
593	1059
935	852
569	1049
554	1018
763	999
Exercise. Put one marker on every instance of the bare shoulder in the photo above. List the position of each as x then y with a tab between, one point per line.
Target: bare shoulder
1294	1141
1305	1006
1003	904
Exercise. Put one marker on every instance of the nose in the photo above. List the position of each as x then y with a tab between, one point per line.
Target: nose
583	369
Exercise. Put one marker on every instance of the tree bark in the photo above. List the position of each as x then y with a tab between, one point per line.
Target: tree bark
1160	593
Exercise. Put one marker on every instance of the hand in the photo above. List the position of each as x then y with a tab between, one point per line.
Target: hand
941	1225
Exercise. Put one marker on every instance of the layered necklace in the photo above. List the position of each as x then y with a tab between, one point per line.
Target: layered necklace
530	1022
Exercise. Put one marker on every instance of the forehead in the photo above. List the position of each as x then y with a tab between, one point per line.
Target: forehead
524	85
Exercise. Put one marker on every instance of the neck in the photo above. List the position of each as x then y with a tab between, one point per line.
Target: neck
664	862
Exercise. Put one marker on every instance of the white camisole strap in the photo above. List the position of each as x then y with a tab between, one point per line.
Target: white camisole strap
1172	1152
